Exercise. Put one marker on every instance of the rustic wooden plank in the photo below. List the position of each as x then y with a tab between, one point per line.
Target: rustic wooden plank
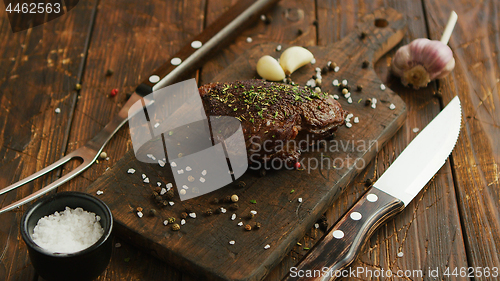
40	68
202	244
475	44
132	39
422	228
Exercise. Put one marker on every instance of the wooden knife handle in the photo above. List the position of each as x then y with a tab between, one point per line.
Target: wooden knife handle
190	57
340	246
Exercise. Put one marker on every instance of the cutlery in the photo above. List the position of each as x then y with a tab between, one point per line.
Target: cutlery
389	195
189	58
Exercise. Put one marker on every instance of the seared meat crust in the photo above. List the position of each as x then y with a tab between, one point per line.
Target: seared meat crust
278	120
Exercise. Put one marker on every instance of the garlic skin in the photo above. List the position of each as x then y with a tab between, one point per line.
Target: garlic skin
422	61
294	58
269	69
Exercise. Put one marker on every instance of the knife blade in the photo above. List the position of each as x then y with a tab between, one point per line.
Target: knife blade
389	195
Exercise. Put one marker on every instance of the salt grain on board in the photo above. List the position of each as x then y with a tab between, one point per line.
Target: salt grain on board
131	171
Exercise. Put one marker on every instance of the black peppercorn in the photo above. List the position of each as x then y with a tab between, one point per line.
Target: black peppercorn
241	184
323	226
359	87
169	194
368	182
363	35
184	215
332	65
300	32
315	22
268	20
209	212
152	212
368	102
218	211
257	225
234	206
109	72
365	64
324	70
227	199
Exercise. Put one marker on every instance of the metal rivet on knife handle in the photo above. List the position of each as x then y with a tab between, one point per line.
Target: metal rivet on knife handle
190	57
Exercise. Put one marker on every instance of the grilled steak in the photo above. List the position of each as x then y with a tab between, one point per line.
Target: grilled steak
278	120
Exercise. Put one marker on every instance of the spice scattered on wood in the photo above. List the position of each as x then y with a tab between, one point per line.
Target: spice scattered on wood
234	198
113	92
382	87
99	192
278	48
336	97
131	171
267	246
356	120
171	220
416	130
300	32
253	201
171	203
231	242
57	110
109	72
192	215
359	87
248	227
297	165
234	206
233	217
257	225
249	39
152	212
184	215
146	180
183	222
300	199
176	227
292	191
316	225
392	106
165	222
78	86
240	223
365	64
209	212
241	184
140	214
222	210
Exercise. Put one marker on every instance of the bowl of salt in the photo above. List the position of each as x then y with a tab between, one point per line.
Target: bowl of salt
68	235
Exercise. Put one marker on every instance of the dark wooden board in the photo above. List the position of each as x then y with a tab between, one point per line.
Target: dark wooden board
201	246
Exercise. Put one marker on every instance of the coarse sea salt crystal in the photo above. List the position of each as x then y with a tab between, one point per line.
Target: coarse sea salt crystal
173	164
99	192
161	163
233	217
249	39
193	215
316	225
336	97
157	125
300	199
222	210
392	106
181	171
267	246
253	212
171	203
183	222
416	130
204	172
240	223
140	214
348	125
69	231
231	242
188	168
202	179
146	180
131	171
165	222
335	82
144	176
382	87
356	120
158	183
349	100
163	191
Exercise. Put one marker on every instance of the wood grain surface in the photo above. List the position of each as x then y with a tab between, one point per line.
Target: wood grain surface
454	222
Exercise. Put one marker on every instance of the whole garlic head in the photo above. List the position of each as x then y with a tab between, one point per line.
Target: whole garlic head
422	61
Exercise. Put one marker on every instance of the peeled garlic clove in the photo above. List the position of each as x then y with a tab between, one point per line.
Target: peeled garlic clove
422	61
269	69
294	58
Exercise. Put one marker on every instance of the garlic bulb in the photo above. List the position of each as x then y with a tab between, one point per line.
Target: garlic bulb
269	69
422	61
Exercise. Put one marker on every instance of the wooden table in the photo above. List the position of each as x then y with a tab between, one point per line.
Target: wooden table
454	223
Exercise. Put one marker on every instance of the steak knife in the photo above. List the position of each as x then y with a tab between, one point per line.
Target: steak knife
389	195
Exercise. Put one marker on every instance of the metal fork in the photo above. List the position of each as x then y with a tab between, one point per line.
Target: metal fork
88	153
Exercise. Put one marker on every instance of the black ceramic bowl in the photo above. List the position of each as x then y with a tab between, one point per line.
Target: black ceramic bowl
83	265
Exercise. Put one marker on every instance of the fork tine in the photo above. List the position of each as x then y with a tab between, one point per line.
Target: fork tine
49	187
40	173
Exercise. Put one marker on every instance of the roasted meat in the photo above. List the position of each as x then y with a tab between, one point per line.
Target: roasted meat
278	120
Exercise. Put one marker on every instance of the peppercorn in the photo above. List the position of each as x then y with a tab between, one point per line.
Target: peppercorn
324	70
176	227
184	215
234	206
227	199
250	215
363	35
241	184
368	182
300	32
315	22
365	64
171	220
78	86
152	212
234	198
109	72
209	212
248	227
164	203
169	194
368	102
139	209
257	225
359	87
323	226
268	20
158	198
332	65
217	211
345	91
215	201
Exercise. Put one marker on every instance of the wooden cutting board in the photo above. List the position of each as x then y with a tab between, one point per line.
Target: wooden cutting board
202	246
